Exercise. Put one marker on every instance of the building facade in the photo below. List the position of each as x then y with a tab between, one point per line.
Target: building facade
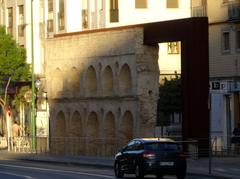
101	94
224	43
54	17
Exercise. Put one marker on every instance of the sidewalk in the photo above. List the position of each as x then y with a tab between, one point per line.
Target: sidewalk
221	167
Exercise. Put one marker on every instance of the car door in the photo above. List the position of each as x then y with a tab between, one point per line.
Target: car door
134	155
125	158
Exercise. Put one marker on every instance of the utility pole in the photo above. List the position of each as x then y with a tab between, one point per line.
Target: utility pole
33	86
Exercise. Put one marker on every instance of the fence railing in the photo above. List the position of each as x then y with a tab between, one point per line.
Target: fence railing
220	146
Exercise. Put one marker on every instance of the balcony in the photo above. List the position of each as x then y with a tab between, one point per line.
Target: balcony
234	12
199	11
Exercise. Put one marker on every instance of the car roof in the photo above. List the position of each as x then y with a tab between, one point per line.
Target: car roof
145	140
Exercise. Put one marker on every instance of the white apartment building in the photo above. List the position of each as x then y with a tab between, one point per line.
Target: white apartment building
224	58
51	17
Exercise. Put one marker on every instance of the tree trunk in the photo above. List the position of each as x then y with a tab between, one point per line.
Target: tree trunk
4	104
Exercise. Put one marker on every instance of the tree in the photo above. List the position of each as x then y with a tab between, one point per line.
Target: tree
170	100
13	66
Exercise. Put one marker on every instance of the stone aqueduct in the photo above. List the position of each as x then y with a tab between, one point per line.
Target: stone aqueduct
102	85
92	126
102	90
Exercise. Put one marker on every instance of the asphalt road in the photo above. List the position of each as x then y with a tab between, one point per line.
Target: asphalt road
11	169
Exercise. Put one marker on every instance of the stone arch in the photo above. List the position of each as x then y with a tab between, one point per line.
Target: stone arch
73	80
109	134
126	128
91	81
107	83
76	134
92	134
125	80
57	82
58	140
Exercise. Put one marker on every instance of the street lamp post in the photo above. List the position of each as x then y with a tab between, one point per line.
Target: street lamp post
33	85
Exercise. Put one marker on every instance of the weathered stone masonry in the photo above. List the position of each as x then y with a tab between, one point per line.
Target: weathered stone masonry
102	89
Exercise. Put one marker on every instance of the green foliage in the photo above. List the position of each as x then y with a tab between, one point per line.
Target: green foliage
170	99
12	59
19	97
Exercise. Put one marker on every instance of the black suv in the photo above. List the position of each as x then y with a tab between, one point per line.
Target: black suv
157	156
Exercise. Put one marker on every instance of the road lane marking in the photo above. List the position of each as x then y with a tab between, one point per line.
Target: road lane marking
22	176
56	170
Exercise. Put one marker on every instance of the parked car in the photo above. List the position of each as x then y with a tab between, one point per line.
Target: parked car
158	156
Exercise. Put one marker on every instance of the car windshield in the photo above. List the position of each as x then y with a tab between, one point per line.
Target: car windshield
160	146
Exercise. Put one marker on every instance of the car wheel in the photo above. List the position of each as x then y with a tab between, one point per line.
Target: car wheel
139	172
181	175
117	170
159	176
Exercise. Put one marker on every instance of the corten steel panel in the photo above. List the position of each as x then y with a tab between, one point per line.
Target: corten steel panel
193	34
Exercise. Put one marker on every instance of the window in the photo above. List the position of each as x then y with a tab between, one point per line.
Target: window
20	21
50	25
114	11
10	21
238	40
162	146
50	5
50	16
173	48
101	4
226	41
172	3
61	22
84	14
130	145
140	4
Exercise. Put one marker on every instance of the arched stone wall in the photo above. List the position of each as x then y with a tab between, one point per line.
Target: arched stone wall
58	139
107	81
109	134
57	83
125	80
91	81
92	134
73	81
76	135
126	128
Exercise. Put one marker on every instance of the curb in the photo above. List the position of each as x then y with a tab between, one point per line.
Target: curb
68	162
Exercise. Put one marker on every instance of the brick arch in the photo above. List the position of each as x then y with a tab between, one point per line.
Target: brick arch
92	134
126	128
57	82
58	139
73	80
125	80
76	134
91	81
109	134
107	81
